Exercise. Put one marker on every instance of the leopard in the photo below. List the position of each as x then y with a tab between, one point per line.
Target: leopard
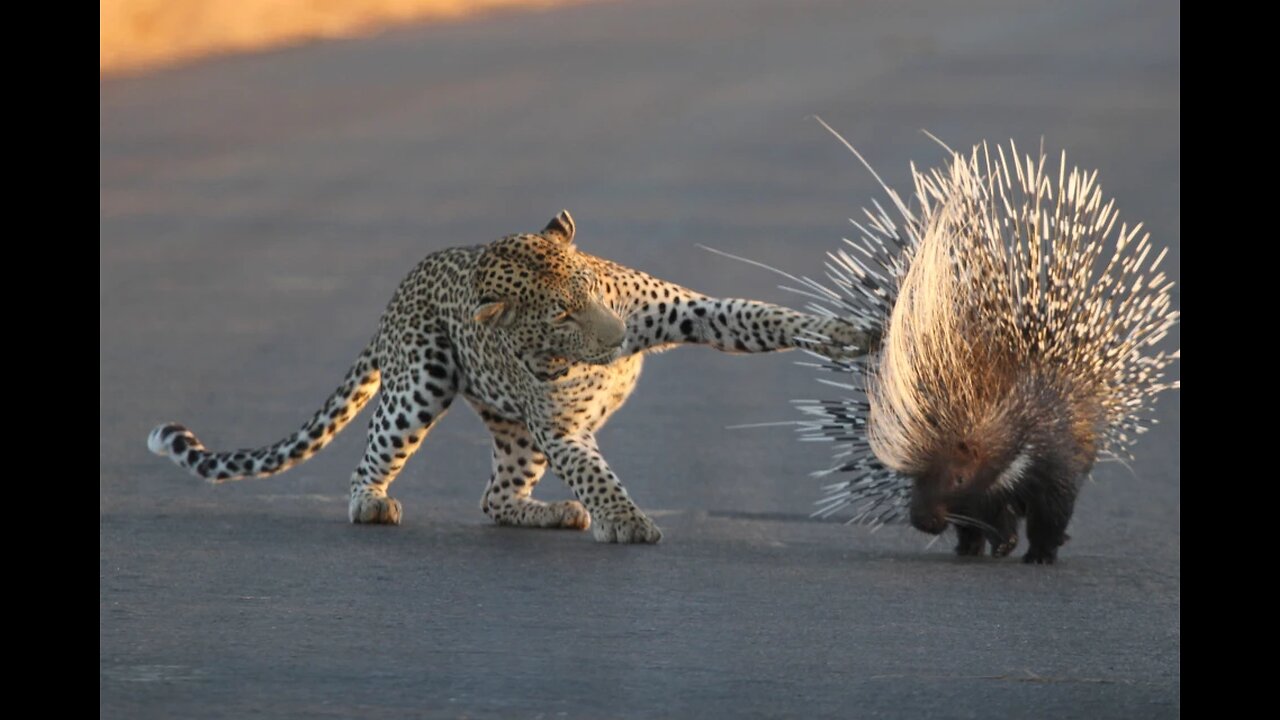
545	342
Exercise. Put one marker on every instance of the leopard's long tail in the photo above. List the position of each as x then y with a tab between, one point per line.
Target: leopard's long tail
180	445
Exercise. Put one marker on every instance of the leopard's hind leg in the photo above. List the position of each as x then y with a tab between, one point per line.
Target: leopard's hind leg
414	397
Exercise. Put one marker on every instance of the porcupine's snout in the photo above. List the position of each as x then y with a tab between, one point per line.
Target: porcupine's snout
958	476
928	515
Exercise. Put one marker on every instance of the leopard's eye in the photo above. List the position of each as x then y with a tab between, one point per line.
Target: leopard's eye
562	317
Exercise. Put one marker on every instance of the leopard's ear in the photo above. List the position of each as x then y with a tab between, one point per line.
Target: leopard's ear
560	228
494	312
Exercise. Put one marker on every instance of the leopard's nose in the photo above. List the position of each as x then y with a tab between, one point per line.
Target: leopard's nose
609	329
615	331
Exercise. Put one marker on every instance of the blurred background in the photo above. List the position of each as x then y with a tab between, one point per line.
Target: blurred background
269	172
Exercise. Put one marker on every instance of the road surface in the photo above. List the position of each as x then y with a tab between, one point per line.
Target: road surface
258	211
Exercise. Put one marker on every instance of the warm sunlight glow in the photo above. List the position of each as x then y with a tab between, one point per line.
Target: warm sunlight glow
142	34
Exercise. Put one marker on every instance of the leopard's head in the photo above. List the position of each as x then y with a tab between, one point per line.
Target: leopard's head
545	297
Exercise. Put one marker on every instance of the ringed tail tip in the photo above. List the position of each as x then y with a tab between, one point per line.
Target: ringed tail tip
158	440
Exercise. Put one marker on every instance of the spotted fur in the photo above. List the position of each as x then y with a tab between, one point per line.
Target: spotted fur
545	342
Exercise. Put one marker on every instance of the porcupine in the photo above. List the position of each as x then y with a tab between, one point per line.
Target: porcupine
1019	346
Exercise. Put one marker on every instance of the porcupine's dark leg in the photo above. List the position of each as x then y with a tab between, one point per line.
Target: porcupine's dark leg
1003	534
1005	521
970	541
1049	510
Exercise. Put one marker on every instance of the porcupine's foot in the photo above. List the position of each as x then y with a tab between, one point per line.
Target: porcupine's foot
1040	556
629	526
1047	519
1005	538
369	508
1006	546
1044	543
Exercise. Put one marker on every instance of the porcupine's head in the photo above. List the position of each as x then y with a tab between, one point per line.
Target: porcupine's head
1032	439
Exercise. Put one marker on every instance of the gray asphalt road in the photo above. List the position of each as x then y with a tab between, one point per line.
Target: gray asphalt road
258	211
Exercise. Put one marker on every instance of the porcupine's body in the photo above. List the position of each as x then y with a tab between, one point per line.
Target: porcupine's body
1019	333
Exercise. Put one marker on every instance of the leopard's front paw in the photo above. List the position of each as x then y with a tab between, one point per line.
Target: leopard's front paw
842	340
633	527
374	509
